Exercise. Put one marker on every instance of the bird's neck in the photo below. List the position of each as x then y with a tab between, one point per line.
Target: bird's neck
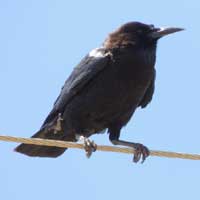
145	56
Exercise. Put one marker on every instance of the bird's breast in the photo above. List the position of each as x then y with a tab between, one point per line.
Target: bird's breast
133	69
121	85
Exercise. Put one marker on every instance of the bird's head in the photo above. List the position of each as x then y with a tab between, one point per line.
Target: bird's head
136	33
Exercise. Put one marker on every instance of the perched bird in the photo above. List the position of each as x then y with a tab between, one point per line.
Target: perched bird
103	91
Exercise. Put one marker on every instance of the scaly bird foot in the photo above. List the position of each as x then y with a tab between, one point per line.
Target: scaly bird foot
140	151
89	147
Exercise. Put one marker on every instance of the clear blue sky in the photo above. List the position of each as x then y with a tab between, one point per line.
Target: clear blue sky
40	43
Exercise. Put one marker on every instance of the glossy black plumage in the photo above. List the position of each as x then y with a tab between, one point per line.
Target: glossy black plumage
104	90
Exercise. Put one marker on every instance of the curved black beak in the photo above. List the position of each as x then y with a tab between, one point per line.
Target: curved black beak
160	32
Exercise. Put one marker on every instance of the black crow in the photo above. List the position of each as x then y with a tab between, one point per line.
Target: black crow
103	91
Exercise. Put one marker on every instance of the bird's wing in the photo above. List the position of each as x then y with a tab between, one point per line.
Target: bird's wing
83	73
149	93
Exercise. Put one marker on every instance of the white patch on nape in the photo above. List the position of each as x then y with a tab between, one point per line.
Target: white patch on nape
97	53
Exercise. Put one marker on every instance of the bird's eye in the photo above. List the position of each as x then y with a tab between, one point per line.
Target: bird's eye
151	26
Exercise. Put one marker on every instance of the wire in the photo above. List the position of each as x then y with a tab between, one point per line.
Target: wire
64	144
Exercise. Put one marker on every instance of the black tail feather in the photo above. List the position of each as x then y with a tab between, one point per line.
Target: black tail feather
42	151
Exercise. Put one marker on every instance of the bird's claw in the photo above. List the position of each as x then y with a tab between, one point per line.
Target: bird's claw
140	151
89	147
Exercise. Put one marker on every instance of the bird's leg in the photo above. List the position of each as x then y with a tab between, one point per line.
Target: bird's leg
139	149
58	126
89	145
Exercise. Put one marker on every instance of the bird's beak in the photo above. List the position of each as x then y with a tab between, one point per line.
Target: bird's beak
160	32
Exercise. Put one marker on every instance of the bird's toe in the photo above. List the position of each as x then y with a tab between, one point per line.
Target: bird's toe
140	151
89	147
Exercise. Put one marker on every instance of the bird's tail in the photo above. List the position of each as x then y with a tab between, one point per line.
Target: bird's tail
42	151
